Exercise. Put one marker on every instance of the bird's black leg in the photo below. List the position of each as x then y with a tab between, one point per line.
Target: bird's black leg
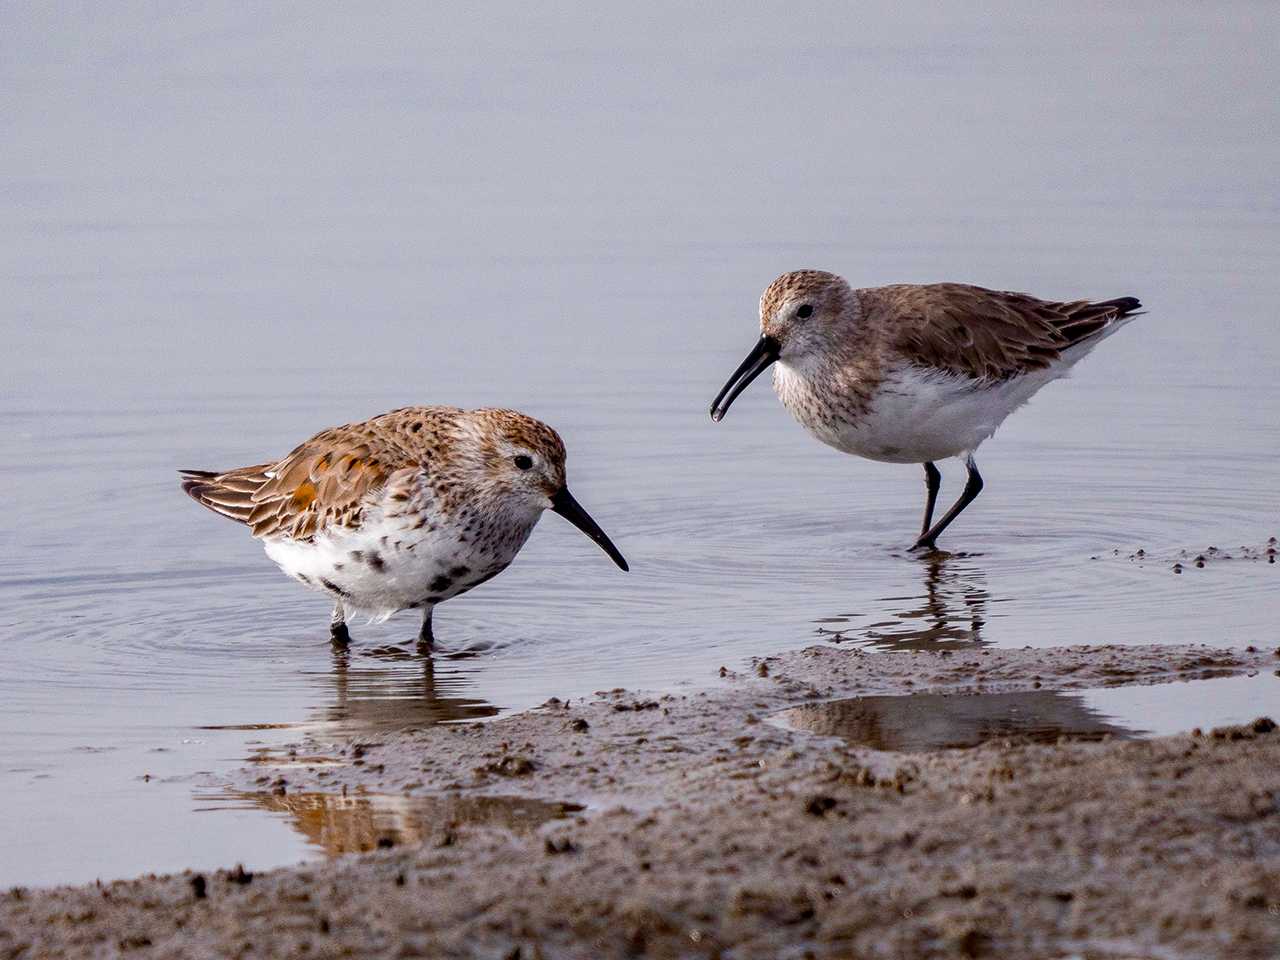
425	637
932	481
338	634
972	487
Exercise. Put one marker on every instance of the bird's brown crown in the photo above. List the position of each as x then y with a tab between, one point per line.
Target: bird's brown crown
519	430
798	285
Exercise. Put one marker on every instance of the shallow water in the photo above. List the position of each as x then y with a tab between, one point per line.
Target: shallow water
280	224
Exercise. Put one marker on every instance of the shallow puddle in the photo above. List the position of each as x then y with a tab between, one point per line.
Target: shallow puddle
360	822
912	724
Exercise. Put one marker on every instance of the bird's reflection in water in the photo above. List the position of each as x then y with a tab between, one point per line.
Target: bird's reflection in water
383	690
923	722
949	614
339	824
396	688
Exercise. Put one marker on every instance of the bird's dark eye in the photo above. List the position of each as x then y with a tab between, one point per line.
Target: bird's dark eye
805	311
523	462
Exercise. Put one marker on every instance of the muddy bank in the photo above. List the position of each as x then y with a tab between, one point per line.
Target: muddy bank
731	822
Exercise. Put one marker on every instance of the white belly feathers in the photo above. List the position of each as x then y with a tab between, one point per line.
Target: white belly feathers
393	564
915	415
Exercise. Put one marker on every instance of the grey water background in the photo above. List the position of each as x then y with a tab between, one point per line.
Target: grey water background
226	229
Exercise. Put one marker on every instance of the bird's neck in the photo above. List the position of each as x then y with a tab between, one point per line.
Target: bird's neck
835	384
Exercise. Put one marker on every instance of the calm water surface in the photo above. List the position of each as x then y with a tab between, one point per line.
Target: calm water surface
932	721
225	232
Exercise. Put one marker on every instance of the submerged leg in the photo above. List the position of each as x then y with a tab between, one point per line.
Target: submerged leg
425	637
972	487
932	481
338	626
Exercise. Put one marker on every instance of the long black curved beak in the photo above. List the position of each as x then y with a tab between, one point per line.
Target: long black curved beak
569	508
761	357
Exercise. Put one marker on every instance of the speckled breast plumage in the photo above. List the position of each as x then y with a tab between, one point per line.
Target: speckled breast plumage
407	553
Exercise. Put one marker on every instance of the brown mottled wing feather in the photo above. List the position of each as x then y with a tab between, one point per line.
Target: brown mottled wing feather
327	481
323	482
986	334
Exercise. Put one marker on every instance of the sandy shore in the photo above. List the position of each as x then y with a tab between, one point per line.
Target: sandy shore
727	823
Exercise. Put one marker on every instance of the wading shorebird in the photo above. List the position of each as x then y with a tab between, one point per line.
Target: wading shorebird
403	511
914	373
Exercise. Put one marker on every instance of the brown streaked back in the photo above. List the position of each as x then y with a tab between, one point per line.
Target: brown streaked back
328	479
981	333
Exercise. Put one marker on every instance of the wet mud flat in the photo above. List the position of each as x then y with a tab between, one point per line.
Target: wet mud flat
748	820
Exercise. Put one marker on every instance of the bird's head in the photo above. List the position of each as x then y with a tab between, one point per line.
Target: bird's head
523	462
802	314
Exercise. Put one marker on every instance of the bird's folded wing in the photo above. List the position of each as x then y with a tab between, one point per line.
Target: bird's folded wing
327	482
980	333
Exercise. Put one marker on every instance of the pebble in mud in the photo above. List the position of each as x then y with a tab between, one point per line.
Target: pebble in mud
553	847
1244	731
512	765
819	804
636	705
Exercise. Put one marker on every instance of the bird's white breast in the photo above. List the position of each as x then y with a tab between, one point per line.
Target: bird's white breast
391	563
913	415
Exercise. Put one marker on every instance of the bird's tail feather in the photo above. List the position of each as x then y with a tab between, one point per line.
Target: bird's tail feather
1084	320
229	494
